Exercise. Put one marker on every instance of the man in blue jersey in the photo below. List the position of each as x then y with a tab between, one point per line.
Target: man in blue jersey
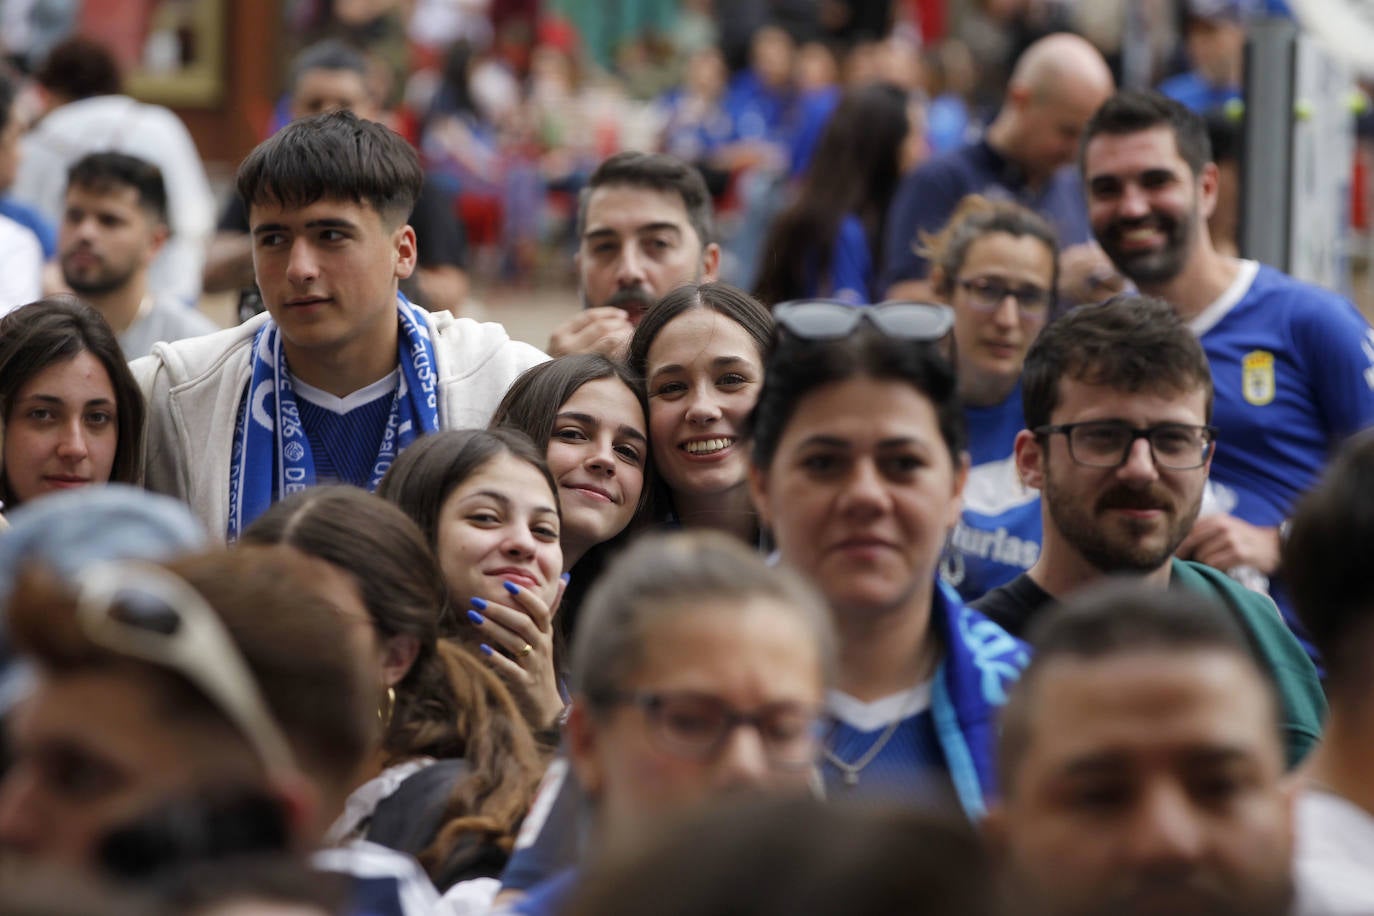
1025	156
1292	364
341	372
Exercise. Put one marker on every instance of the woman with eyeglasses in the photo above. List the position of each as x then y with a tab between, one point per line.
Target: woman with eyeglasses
456	766
995	264
71	414
829	242
489	509
699	671
858	466
589	413
700	353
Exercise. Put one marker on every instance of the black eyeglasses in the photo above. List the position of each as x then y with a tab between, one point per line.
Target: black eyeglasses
148	613
696	725
831	319
1108	443
986	294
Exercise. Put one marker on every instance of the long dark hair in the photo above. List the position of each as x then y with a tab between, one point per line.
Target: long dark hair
428	470
449	704
855	171
57	329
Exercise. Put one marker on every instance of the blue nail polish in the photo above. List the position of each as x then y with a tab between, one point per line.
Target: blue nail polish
479	603
566	577
476	618
512	588
486	649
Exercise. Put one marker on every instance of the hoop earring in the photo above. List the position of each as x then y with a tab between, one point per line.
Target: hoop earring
386	707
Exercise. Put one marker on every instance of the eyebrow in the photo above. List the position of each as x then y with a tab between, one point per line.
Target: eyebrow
720	362
328	222
624	429
54	399
827	441
592	234
505	501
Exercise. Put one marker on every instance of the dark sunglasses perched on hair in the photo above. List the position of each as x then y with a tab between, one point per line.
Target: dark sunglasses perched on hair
831	319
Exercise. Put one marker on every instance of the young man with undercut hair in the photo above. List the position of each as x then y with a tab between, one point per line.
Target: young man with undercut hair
341	373
114	223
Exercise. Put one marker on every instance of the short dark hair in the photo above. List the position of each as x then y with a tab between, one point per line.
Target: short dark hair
1128	343
108	171
80	68
782	856
432	467
795	368
57	329
1130	111
335	155
1117	618
330	54
657	172
1326	564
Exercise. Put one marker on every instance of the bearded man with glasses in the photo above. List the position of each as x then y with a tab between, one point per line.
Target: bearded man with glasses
1118	406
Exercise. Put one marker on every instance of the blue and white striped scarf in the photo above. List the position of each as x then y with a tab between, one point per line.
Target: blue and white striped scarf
271	454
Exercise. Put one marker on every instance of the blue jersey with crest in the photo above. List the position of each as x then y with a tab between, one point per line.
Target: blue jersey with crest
998	534
1293	369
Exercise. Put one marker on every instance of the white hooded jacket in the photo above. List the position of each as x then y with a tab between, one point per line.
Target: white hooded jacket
193	388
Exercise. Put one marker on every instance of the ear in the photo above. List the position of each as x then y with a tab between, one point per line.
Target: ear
956	504
160	235
579	737
1207	181
398	655
710	263
758	494
407	251
1030	459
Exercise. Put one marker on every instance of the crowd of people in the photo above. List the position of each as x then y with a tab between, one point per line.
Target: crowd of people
991	541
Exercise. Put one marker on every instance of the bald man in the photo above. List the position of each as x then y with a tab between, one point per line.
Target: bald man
1025	155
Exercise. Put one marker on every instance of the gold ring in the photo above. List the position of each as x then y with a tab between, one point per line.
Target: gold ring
525	650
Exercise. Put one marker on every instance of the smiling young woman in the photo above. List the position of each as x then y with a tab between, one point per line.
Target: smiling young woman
72	414
700	351
489	509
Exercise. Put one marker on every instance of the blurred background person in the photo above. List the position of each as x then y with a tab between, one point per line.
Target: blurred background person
829	241
72	414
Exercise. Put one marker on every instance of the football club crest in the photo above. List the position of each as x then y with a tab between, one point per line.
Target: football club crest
1257	377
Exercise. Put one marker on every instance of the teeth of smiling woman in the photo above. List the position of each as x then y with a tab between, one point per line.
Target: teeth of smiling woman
707	446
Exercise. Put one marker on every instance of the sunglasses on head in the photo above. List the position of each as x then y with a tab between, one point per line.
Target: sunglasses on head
831	319
146	612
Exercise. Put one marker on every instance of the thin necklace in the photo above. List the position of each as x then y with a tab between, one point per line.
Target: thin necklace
851	771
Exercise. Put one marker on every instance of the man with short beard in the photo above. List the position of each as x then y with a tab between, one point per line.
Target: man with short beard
1119	441
1293	363
645	226
114	223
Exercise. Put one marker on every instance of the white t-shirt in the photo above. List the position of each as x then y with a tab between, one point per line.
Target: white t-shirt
21	265
1334	863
